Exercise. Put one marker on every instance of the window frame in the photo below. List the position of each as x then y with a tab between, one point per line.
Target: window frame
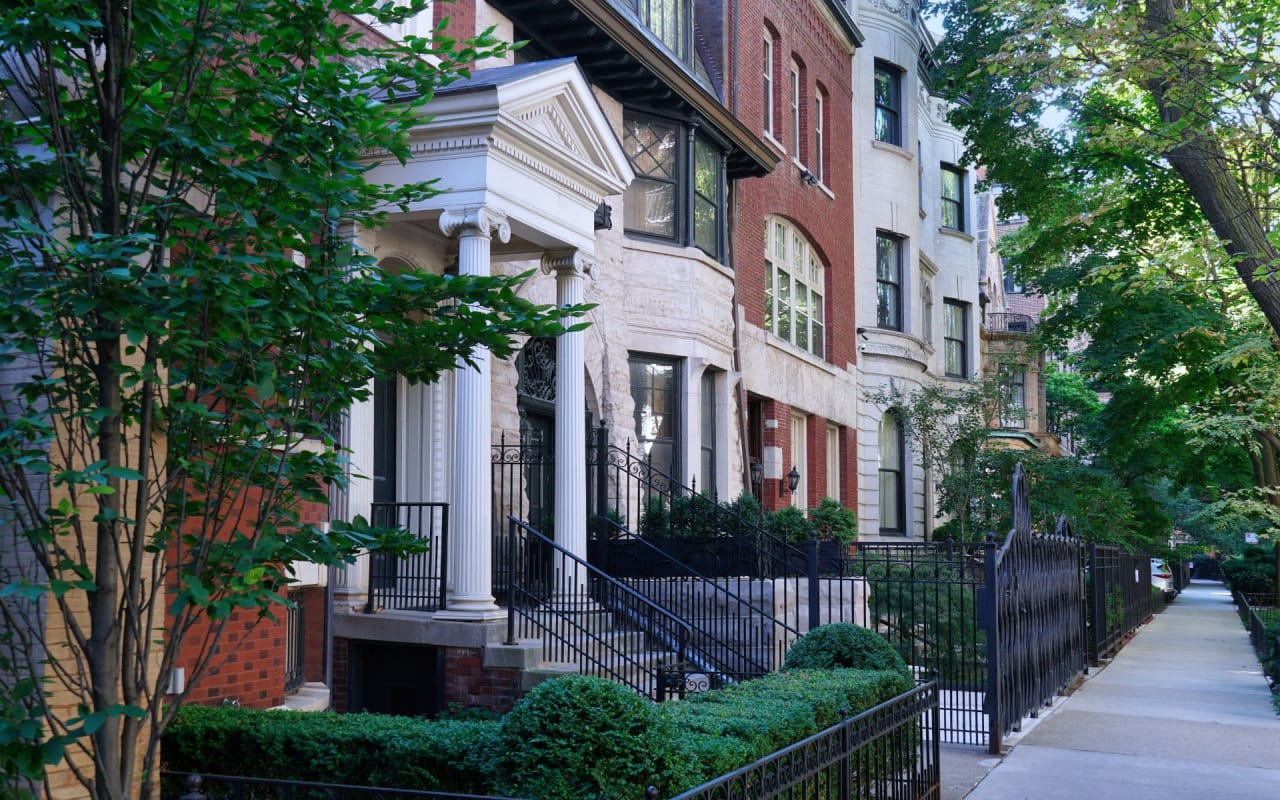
769	88
709	423
687	199
898	495
955	204
833	463
1007	374
959	345
797	131
819	135
889	108
800	459
789	262
676	436
682	28
893	287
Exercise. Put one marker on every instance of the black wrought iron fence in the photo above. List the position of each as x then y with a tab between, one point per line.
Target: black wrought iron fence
295	626
1119	597
1260	614
1038	608
925	598
416	582
587	618
889	752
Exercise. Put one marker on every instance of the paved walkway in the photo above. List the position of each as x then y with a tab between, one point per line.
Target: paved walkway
1183	711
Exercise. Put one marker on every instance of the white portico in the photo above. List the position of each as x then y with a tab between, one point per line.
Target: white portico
524	156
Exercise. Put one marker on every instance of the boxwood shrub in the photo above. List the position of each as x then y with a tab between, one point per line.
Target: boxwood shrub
574	737
362	749
843	644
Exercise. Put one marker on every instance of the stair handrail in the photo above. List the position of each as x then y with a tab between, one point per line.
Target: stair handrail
697	655
657	482
675	634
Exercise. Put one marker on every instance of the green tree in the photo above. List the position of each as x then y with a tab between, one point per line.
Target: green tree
948	428
182	310
1181	91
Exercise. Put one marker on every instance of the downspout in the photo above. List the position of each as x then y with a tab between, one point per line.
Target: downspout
743	440
733	80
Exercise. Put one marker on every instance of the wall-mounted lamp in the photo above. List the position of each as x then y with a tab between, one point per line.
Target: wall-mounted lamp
793	480
862	332
757	475
808	177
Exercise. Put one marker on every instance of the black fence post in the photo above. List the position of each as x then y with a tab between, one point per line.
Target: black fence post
602	496
815	596
989	618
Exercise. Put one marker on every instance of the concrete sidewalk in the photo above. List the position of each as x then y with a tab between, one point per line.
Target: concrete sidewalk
1183	711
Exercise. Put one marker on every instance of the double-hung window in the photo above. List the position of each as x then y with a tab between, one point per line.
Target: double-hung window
888	281
796	149
819	135
655	385
888	97
892	487
794	288
952	197
955	325
1013	396
678	192
767	108
672	22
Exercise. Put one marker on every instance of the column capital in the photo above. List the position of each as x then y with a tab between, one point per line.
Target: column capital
573	262
477	220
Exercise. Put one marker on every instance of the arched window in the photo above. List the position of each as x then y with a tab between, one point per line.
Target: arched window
794	296
892	490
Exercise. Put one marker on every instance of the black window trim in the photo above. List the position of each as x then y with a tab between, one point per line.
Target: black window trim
896	109
899	240
689	131
962	175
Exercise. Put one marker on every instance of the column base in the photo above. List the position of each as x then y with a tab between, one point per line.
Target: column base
472	612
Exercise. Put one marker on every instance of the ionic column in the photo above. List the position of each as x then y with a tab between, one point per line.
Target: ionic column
571	269
471	523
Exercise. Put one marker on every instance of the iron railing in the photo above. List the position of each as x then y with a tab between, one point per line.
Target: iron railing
924	598
734	633
295	626
416	582
1119	597
186	786
889	752
1037	609
1004	322
1261	616
588	619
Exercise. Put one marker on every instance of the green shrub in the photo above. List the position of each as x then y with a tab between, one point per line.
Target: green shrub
729	728
790	525
1252	572
362	749
833	522
843	644
580	737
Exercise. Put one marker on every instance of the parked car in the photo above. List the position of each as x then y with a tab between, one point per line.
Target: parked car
1162	578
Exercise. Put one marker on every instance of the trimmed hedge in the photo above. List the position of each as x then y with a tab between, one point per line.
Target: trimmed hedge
843	644
573	738
361	749
584	737
731	727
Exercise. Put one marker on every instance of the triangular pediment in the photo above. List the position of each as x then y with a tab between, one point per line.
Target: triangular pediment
557	108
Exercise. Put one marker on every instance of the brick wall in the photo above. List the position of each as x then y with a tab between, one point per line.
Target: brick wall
472	685
799	33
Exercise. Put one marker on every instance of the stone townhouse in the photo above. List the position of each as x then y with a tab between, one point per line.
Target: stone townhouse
918	308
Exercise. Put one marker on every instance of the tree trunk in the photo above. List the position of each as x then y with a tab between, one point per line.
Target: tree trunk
1202	163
